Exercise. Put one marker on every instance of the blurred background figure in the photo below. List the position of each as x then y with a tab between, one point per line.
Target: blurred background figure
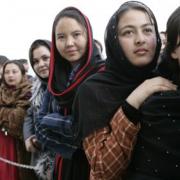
26	67
163	39
163	44
99	47
3	59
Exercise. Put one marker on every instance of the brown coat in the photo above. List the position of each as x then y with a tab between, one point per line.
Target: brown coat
13	105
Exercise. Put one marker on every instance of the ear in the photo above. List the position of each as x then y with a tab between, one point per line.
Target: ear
174	54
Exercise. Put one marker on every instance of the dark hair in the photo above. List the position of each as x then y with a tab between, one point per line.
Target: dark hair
169	67
23	61
36	44
3	59
71	13
172	31
137	6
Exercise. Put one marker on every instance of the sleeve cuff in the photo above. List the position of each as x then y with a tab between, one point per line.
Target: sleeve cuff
134	115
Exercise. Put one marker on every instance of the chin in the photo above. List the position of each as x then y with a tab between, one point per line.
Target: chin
143	63
44	76
73	58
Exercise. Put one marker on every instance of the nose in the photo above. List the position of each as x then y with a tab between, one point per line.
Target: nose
41	63
69	41
140	38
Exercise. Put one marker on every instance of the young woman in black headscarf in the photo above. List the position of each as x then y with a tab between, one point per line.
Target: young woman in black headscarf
74	57
39	57
157	152
132	46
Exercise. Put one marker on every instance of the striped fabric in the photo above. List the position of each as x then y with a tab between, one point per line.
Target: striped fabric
54	130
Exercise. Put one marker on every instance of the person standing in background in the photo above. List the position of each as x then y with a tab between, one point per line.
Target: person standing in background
3	59
99	46
39	57
26	67
15	92
163	40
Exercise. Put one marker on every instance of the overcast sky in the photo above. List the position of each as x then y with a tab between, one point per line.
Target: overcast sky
23	21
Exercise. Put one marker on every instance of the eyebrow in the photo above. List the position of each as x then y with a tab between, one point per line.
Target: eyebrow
59	34
71	32
131	26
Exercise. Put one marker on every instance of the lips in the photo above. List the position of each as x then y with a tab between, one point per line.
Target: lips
43	70
10	80
71	52
140	51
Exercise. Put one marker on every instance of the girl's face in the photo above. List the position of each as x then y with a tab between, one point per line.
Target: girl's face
12	74
137	37
41	59
71	39
176	53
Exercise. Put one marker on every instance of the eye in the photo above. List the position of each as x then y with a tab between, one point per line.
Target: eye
6	72
76	34
35	61
148	30
127	33
45	58
60	37
15	71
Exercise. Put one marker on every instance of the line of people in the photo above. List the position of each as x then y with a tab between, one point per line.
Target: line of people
89	118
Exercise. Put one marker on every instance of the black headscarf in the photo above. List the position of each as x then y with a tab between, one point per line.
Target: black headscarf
60	68
169	67
37	43
107	90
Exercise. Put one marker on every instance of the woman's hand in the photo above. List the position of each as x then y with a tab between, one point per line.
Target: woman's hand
32	144
147	88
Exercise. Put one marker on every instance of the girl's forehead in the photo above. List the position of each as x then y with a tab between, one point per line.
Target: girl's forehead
134	17
68	22
69	25
12	66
